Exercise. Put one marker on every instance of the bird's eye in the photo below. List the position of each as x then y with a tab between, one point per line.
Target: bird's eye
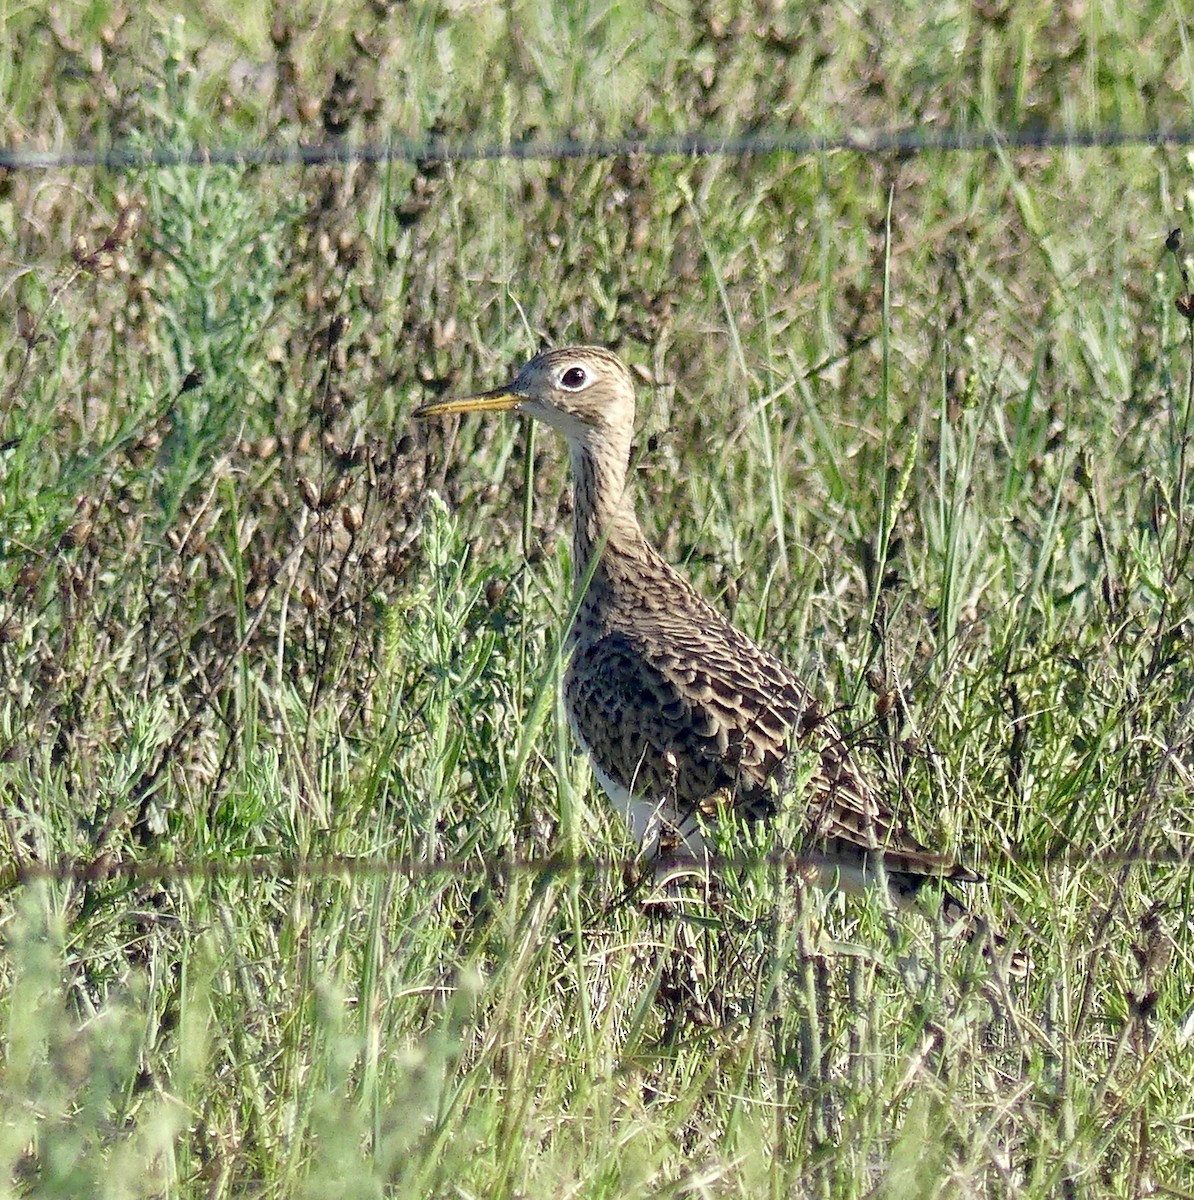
573	378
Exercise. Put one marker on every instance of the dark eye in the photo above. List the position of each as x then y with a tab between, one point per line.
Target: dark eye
573	378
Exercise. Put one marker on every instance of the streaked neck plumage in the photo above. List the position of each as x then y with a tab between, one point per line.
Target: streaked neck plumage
604	525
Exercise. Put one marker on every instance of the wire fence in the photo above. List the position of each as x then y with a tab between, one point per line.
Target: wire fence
692	144
107	867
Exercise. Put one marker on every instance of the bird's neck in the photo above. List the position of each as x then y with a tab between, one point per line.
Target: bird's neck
604	526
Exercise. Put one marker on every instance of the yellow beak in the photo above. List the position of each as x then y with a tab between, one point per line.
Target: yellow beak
499	399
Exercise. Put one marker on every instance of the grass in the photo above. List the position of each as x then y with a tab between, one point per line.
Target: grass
921	424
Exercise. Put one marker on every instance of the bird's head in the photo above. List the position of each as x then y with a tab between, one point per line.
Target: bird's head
585	392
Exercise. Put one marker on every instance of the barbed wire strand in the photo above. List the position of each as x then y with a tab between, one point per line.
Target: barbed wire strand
694	144
352	867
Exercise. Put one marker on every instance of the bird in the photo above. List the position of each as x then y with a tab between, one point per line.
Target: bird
682	715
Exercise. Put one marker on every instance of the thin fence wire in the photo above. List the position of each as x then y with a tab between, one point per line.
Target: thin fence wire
351	867
692	144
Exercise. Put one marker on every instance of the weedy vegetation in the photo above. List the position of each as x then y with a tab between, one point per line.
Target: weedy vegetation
279	739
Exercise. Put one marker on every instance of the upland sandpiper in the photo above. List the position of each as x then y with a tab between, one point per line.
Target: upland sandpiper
681	714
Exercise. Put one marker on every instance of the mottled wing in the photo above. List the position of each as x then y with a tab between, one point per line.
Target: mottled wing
695	715
662	722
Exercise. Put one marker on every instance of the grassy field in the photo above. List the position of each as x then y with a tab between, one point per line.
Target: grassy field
921	423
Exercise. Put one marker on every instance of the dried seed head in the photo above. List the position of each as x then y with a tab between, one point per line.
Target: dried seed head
309	493
330	406
495	589
26	325
335	491
352	517
127	224
29	576
77	535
